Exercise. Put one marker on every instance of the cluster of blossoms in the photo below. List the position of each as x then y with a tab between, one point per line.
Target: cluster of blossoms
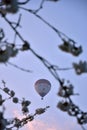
66	105
9	6
70	47
8	51
80	67
6	124
12	6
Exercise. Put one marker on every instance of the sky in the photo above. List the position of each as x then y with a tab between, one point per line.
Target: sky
70	17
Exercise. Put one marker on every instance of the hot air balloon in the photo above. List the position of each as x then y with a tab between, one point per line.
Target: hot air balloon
42	86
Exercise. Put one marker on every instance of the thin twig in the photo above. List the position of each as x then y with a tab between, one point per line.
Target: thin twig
16	66
23	3
14	29
83	127
59	33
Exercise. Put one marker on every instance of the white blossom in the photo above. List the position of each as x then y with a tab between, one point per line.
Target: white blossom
71	48
80	67
11	6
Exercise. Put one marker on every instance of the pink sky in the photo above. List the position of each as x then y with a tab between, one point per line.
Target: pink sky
38	124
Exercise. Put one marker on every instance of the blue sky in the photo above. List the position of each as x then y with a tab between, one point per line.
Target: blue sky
70	17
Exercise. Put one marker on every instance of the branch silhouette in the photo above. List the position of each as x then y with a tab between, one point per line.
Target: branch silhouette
66	89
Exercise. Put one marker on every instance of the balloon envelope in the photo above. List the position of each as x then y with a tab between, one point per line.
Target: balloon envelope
42	86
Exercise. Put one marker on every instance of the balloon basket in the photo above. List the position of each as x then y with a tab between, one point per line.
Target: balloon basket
42	98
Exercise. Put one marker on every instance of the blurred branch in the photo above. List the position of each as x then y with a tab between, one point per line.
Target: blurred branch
16	66
59	33
65	91
23	3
